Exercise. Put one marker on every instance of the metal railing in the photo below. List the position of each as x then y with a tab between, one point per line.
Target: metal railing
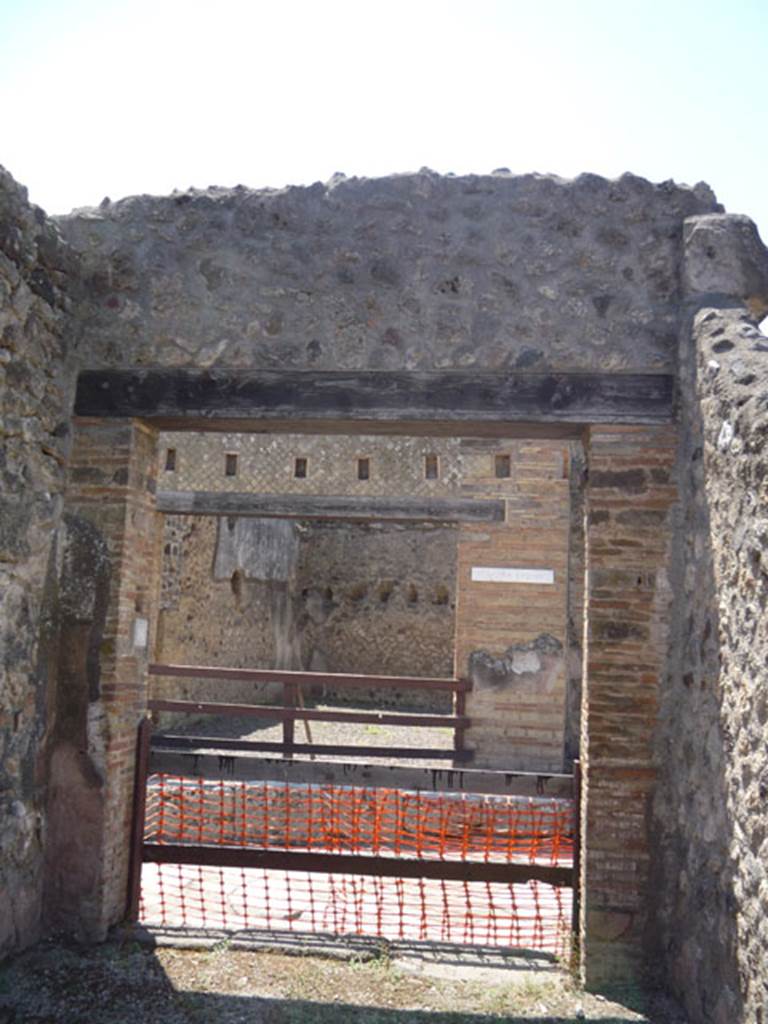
201	808
293	708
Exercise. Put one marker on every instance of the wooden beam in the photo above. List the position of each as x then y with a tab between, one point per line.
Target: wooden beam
220	763
274	711
309	506
138	814
332	680
251	399
323	749
356	864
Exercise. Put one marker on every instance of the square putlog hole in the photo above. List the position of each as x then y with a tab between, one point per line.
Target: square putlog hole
502	466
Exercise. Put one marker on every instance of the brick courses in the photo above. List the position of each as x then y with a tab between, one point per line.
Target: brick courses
630	500
112	485
520	727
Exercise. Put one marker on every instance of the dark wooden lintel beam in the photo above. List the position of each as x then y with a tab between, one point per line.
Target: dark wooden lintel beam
199	399
309	506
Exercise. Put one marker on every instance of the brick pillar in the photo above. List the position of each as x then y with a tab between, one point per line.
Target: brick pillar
629	497
110	506
518	717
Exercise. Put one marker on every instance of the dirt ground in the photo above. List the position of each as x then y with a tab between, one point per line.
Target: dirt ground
127	983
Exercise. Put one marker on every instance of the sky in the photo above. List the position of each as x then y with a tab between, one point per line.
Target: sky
119	97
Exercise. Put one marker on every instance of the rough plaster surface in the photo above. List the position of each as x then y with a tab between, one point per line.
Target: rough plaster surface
531	667
357	598
36	282
710	831
76	772
380	599
257	549
411	272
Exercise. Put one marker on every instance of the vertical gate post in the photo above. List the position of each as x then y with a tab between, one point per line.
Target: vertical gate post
290	700
137	822
459	709
576	848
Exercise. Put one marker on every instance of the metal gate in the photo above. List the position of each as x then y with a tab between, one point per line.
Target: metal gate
225	840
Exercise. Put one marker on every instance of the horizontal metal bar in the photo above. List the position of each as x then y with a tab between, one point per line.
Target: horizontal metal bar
309	714
355	864
329	749
332	680
213	763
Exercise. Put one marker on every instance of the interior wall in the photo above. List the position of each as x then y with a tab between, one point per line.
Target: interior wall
380	598
375	599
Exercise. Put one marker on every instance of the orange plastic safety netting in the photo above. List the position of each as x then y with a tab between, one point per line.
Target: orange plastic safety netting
349	819
346	819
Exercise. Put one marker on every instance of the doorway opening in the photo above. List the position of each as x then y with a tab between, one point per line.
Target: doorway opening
318	595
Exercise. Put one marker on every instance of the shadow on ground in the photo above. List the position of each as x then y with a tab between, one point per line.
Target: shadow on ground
124	983
229	1009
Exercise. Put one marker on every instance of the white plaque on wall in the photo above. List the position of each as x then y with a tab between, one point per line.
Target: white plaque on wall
488	574
140	633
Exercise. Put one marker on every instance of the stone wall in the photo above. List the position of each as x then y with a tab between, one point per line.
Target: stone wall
411	272
361	598
38	272
379	599
709	822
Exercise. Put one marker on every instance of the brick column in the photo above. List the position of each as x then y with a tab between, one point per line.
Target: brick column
629	497
110	499
518	719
